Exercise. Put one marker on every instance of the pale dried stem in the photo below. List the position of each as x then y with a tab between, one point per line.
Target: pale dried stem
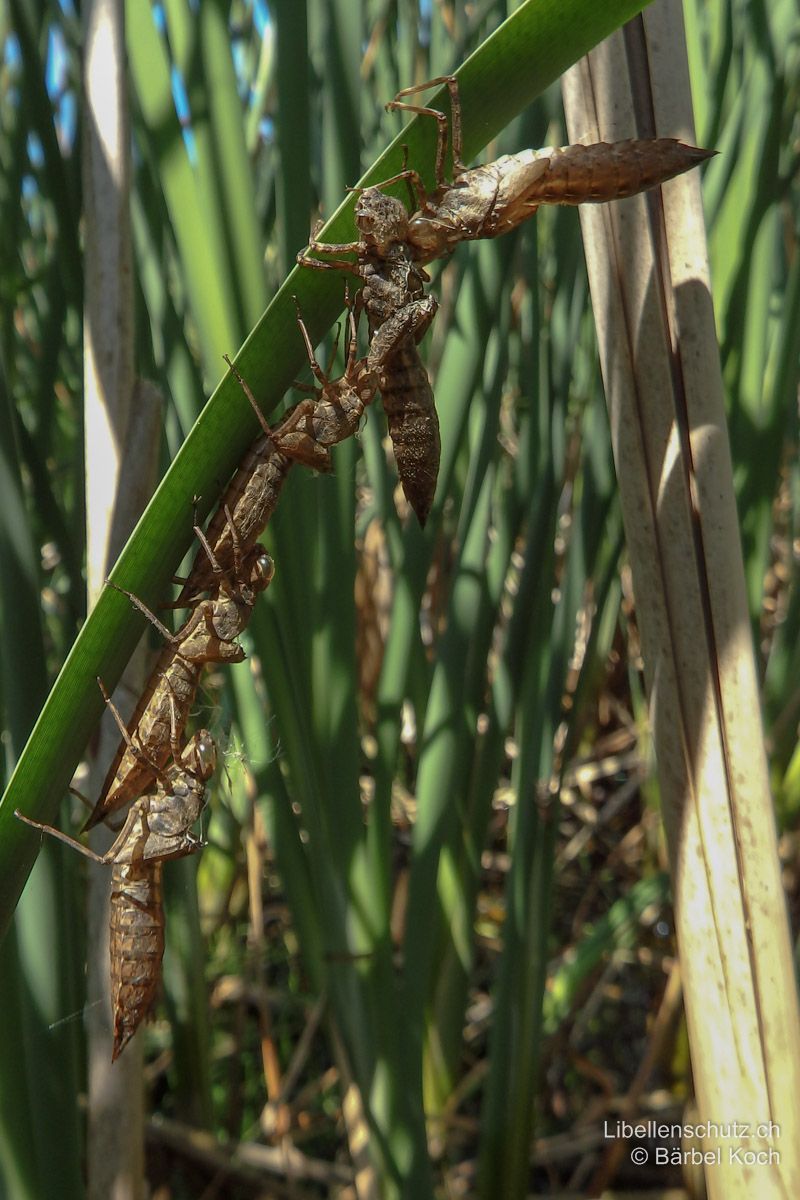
116	424
649	276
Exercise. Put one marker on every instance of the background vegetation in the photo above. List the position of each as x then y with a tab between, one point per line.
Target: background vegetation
475	690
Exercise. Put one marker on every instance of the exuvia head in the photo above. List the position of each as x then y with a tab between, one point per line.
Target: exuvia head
381	220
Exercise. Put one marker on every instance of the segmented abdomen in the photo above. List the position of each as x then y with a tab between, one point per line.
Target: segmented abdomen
251	497
413	422
173	683
612	170
137	946
573	175
395	302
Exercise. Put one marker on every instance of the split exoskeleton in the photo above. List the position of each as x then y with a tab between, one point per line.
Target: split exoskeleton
399	314
305	435
158	827
487	201
209	635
